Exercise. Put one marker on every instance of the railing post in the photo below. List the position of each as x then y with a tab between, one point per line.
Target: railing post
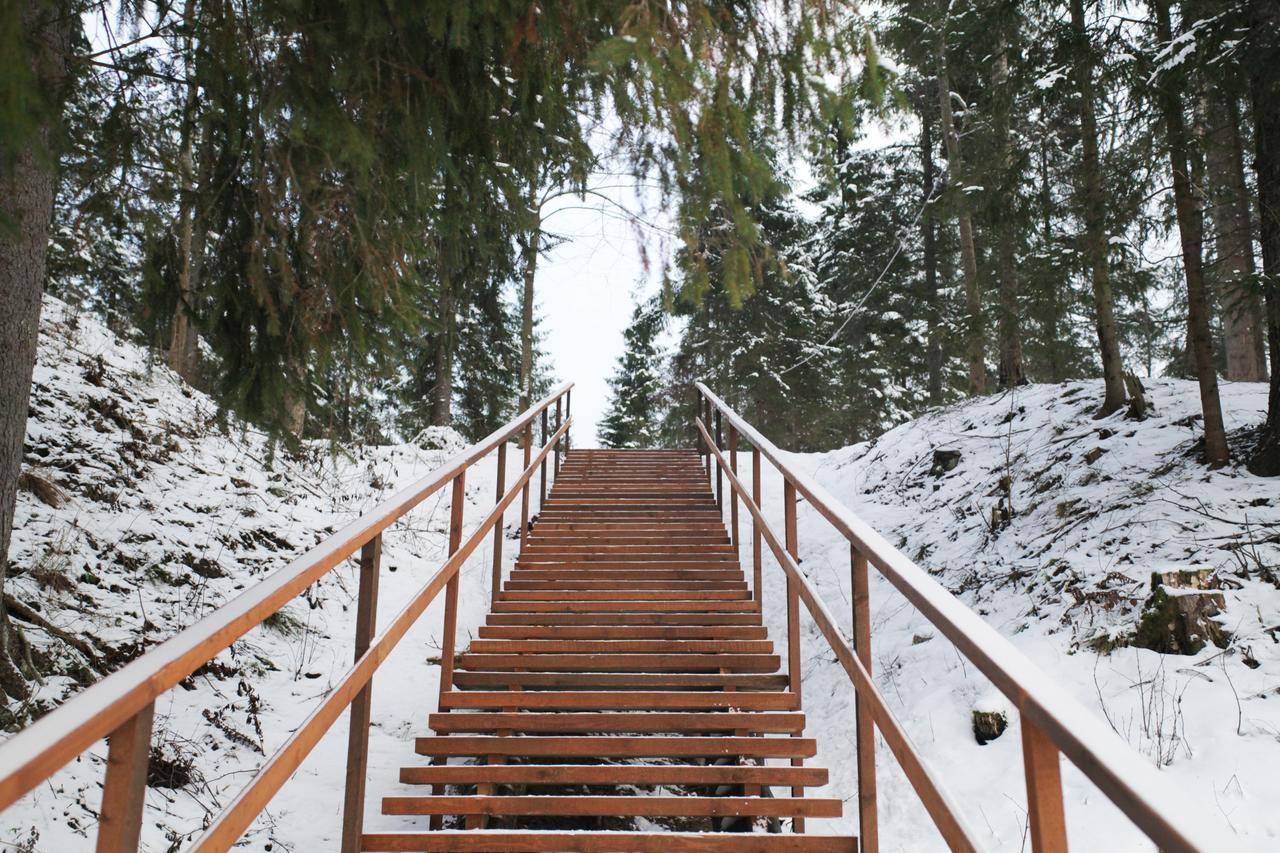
451	588
719	471
496	586
1044	790
559	423
733	495
868	818
793	617
757	553
542	469
124	790
362	705
568	413
524	492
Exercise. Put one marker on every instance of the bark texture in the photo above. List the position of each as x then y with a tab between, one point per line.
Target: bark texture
1264	90
1009	327
1190	214
929	229
975	338
530	252
1095	223
27	183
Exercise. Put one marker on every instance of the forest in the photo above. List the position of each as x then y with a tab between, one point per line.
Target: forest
348	249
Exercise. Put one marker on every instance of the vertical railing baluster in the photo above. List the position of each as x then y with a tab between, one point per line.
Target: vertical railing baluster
568	413
719	471
362	704
559	423
711	458
496	585
451	588
868	818
542	469
1044	790
524	492
124	790
757	552
733	494
793	618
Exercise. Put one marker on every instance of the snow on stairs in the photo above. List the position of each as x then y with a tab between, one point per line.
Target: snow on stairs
624	672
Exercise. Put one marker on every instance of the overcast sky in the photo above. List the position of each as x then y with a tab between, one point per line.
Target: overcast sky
586	288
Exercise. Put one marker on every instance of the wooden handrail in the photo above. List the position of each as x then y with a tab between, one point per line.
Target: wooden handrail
120	703
1051	717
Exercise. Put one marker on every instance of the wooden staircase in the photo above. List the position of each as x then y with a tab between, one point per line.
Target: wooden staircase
623	694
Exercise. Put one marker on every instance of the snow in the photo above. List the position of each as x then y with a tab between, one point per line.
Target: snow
1067	574
171	513
169	517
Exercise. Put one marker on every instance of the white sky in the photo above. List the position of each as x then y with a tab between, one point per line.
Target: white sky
586	289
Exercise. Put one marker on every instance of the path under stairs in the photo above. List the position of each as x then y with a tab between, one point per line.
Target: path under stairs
623	694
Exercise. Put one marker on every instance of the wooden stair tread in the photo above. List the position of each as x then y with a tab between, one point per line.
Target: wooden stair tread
504	841
638	721
613	774
617	805
658	746
649	686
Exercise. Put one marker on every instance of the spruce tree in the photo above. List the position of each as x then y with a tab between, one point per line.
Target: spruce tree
633	417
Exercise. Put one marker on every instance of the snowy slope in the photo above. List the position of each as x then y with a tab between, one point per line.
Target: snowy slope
166	516
1067	574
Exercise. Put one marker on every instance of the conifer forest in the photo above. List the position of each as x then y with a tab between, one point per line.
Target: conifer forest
1003	276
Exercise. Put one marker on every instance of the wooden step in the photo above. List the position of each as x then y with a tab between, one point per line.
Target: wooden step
620	700
659	593
614	774
614	806
635	632
617	747
646	721
501	841
561	646
644	606
518	584
554	617
641	681
623	662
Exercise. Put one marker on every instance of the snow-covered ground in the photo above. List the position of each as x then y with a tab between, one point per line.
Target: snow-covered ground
1066	576
168	513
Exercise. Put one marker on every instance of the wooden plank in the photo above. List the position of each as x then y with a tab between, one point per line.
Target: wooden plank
124	789
624	662
646	721
560	646
612	774
624	632
648	606
642	681
595	806
499	841
621	700
658	593
362	705
618	747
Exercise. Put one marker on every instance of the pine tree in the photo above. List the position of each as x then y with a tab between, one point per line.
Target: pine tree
633	417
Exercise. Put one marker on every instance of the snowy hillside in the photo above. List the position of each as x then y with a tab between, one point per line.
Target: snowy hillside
1092	508
151	515
143	512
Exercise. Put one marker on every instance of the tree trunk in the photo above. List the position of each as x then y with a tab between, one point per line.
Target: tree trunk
442	396
1264	90
530	252
1096	243
27	180
1053	315
929	228
1232	269
1009	328
1190	215
975	342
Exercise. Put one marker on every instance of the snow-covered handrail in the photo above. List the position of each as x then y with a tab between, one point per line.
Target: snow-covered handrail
121	706
1052	720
